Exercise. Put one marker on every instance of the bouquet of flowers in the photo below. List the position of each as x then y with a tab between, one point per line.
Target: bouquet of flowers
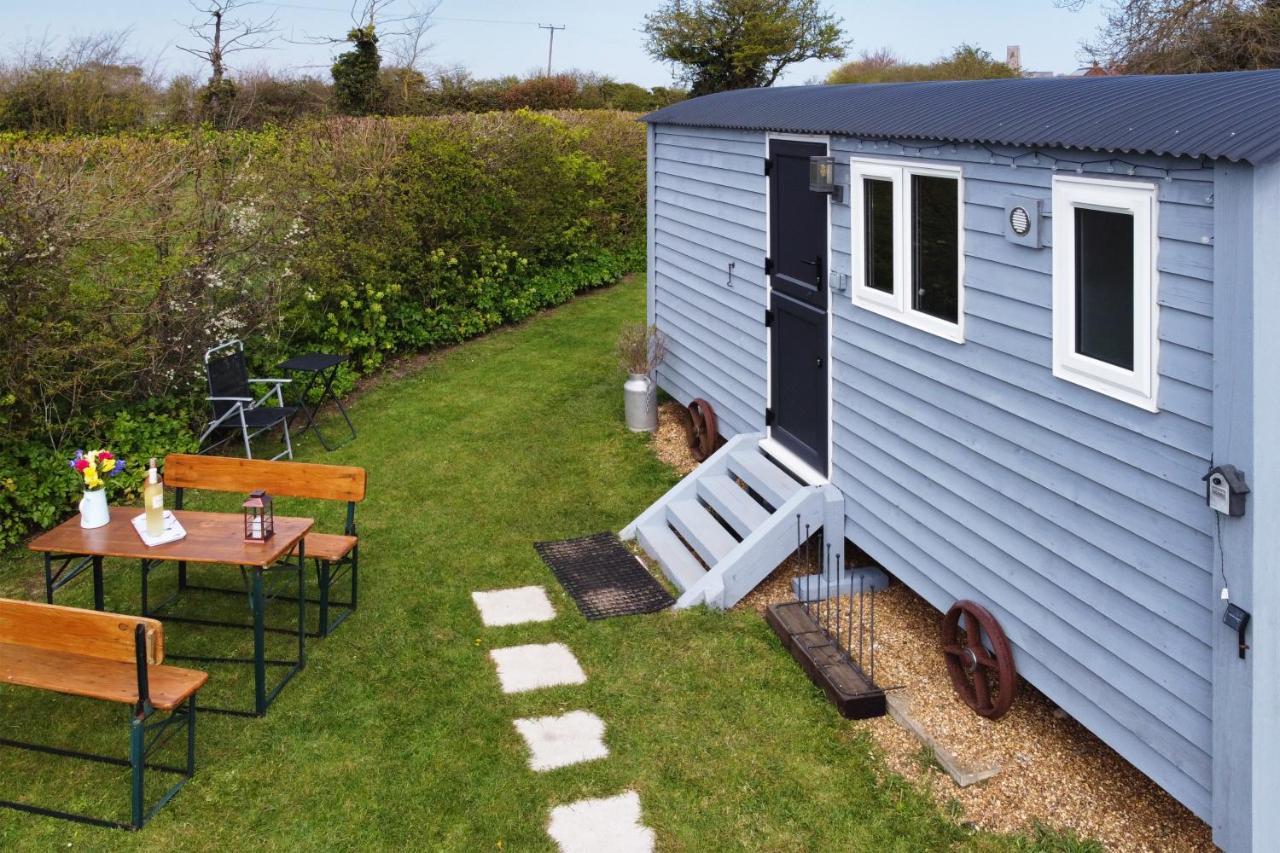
95	465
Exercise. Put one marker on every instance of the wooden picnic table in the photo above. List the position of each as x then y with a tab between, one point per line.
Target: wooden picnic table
212	537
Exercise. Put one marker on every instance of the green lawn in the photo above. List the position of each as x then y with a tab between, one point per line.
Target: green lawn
396	734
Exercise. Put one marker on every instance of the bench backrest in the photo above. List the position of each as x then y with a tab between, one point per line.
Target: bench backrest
84	632
288	479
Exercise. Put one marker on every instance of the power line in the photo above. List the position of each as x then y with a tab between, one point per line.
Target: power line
309	8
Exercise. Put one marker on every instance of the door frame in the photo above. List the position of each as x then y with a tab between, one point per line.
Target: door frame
781	454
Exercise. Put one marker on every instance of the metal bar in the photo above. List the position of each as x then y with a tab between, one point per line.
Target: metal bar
146	569
98	598
71	816
57	580
217	623
302	605
85	756
191	736
135	760
217	659
259	645
322	571
873	635
861	616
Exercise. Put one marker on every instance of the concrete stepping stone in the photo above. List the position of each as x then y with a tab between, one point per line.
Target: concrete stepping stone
560	741
514	606
608	825
531	667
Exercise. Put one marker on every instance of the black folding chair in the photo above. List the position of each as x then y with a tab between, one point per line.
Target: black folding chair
235	407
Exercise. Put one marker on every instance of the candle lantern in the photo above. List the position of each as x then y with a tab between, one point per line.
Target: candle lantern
259	517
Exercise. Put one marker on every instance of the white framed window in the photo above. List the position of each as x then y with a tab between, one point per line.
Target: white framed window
907	225
1104	287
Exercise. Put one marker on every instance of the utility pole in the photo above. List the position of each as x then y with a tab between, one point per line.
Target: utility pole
551	41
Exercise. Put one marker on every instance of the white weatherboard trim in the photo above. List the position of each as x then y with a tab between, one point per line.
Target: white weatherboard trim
1138	387
898	305
768	299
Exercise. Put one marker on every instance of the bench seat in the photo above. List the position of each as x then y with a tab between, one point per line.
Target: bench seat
328	546
96	677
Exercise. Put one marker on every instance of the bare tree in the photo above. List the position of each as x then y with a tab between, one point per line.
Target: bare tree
1185	36
409	44
221	32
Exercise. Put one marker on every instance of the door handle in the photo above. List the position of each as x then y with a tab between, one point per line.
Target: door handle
816	263
819	362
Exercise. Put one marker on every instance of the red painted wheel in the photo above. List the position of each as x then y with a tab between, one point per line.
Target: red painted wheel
983	673
705	433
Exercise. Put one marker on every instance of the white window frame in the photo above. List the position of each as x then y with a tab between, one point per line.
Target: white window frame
898	305
1139	386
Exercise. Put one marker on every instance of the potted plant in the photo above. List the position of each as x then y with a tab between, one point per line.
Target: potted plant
641	349
94	467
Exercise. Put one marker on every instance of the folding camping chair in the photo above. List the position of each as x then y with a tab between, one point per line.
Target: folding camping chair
235	407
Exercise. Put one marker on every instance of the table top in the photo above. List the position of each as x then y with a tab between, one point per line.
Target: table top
312	362
212	537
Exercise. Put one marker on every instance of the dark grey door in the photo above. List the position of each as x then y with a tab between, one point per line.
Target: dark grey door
798	303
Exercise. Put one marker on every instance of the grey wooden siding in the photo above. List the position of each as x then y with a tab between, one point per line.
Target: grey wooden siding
971	472
708	212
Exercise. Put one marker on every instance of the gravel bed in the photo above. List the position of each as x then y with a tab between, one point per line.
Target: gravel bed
1053	771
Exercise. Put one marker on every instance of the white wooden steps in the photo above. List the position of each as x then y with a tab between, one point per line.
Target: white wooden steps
721	530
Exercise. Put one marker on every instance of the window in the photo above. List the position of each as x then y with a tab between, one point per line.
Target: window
1104	311
907	250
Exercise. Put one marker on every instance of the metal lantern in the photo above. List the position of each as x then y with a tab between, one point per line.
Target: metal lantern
822	176
259	517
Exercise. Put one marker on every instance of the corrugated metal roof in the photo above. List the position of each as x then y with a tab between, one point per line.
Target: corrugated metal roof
1235	114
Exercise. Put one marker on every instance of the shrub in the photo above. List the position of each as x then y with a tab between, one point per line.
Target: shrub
123	258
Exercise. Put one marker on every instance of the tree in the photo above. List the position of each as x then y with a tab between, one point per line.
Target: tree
966	62
1186	36
735	44
404	83
356	84
221	34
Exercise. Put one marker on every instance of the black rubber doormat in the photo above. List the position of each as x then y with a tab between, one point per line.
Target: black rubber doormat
604	578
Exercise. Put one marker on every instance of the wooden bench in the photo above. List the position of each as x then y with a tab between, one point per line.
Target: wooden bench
109	657
334	553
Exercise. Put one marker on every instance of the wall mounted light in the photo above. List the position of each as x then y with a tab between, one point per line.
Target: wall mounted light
822	177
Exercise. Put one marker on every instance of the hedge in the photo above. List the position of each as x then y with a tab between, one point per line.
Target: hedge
122	258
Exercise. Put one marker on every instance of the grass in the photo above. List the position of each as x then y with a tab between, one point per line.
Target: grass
396	734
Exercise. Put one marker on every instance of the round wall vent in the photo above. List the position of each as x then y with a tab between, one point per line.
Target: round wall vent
1020	221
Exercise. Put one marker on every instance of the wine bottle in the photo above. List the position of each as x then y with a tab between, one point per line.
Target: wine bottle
153	499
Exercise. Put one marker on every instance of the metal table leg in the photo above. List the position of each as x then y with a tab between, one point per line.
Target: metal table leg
258	605
99	602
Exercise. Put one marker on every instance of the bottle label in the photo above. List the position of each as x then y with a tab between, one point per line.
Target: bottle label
158	502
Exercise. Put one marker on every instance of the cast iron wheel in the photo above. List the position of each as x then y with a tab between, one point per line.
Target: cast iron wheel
704	434
975	665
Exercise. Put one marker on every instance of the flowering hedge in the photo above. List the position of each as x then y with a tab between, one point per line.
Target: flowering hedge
122	258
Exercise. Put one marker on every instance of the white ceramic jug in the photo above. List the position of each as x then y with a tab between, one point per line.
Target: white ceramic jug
93	509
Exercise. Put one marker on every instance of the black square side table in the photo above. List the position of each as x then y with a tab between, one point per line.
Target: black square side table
323	368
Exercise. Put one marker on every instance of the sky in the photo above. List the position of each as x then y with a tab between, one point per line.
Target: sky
498	37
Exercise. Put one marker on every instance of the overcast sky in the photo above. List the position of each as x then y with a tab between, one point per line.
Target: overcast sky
496	37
